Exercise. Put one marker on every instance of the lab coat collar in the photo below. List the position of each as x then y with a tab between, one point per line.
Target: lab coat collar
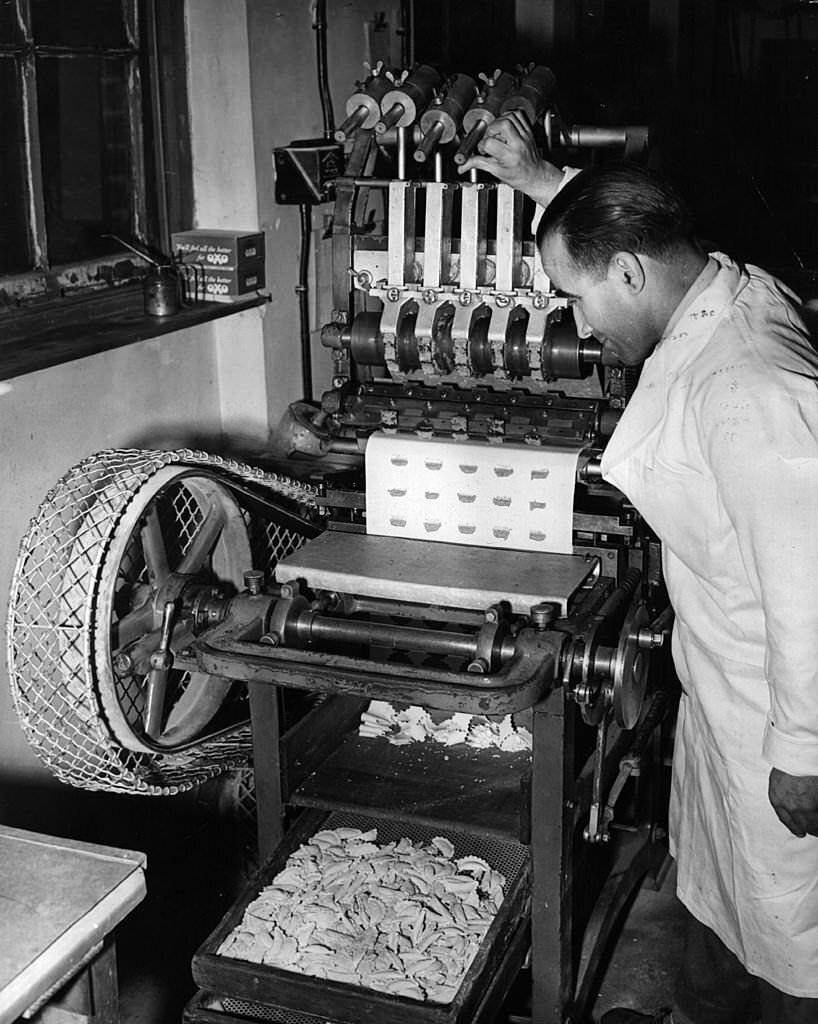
688	331
698	314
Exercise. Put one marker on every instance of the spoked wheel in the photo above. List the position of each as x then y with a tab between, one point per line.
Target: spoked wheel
184	526
96	639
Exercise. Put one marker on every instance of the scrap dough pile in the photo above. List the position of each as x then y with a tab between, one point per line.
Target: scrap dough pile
415	724
403	917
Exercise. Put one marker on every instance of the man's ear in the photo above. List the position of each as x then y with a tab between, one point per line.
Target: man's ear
626	269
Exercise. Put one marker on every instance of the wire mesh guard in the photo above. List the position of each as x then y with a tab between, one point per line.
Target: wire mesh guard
70	568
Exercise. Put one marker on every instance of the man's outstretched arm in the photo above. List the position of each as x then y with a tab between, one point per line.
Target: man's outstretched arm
508	152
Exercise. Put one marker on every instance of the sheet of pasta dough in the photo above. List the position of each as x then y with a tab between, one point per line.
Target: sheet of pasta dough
471	492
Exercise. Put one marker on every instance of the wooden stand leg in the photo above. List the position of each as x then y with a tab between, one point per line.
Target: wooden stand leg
91	997
104	984
264	716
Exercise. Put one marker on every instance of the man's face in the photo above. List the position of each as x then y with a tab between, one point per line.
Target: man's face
607	308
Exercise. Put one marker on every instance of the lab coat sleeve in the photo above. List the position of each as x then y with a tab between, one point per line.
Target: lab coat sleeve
567	174
761	442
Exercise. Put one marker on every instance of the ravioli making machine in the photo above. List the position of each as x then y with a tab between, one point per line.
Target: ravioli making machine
167	605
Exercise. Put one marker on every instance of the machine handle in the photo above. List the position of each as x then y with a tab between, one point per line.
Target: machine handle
161	663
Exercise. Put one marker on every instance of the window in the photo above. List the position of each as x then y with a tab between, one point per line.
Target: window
92	103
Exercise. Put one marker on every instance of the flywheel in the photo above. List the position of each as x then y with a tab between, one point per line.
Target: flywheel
111	536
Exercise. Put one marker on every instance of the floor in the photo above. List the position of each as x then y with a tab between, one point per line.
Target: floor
197	867
642	970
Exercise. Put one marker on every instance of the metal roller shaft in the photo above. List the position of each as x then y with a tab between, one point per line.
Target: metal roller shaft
391	118
310	627
563	354
352	123
429	142
441	121
482	112
469	144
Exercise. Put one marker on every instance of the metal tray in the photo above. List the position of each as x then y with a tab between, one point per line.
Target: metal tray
243	986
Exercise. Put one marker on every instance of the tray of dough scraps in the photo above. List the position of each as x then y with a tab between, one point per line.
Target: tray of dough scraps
359	919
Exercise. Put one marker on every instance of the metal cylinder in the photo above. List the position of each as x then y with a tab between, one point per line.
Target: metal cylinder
482	112
365	340
363	107
354	121
402	105
564	355
533	94
469	144
444	117
430	141
162	291
308	627
488	104
627	137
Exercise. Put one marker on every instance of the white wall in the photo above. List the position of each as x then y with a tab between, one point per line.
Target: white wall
162	393
252	86
286	106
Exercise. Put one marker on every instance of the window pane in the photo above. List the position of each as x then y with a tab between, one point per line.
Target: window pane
85	143
14	255
78	23
9	22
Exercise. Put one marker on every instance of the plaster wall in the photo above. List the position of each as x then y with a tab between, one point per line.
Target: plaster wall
252	86
286	106
158	393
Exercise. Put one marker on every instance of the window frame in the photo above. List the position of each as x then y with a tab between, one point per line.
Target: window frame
161	187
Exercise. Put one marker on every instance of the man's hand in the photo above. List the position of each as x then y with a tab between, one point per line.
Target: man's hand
508	152
795	801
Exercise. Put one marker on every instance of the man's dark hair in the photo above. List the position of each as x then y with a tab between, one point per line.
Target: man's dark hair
617	207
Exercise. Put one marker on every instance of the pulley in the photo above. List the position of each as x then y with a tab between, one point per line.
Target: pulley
122	556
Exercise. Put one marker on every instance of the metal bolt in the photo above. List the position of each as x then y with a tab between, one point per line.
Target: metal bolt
539	301
646	639
543	614
465	298
429	296
123	664
393	294
254	581
502	300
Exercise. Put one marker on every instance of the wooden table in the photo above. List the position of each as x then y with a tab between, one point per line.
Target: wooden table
60	901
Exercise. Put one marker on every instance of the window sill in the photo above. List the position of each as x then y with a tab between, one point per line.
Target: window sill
71	328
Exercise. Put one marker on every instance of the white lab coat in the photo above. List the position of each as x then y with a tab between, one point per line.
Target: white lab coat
718	449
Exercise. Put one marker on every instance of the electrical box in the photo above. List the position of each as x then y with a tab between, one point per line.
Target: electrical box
305	171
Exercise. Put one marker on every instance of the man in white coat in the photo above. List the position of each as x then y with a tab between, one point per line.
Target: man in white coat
718	449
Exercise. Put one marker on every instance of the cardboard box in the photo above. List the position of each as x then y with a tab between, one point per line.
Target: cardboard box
226	285
223	250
